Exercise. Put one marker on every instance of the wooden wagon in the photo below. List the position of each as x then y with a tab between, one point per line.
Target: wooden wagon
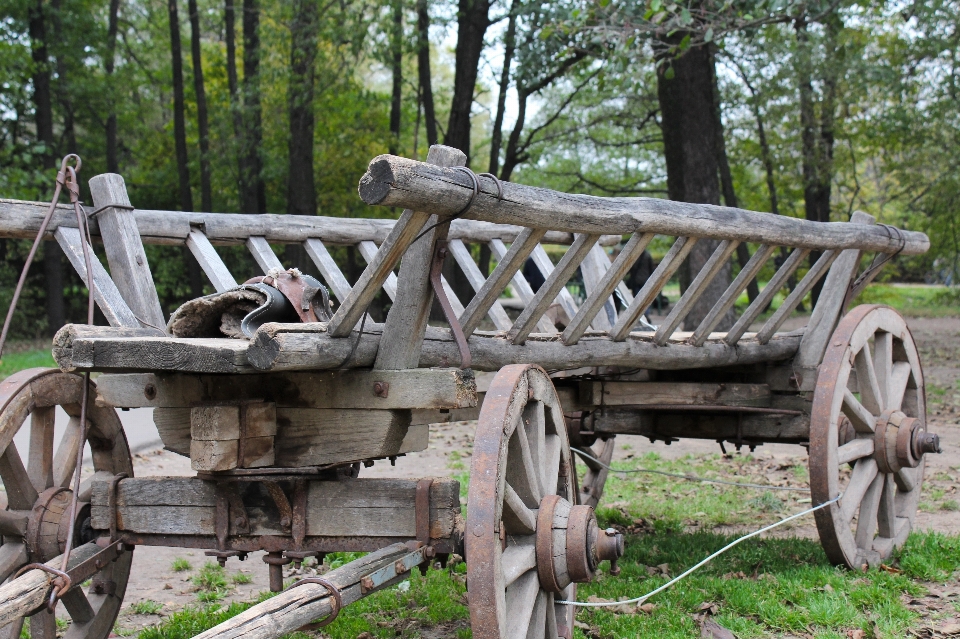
278	424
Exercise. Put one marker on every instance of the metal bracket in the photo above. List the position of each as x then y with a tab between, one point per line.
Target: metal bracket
452	319
112	503
335	606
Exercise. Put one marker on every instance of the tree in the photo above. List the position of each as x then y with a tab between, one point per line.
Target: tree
179	120
423	70
203	128
472	24
396	71
301	189
110	59
254	199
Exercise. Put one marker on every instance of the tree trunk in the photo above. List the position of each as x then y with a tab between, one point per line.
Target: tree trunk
726	183
255	200
689	123
236	106
68	137
396	60
301	190
179	125
423	69
206	194
509	44
472	23
113	163
512	156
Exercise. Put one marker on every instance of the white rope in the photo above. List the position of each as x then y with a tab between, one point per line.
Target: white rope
733	543
688	477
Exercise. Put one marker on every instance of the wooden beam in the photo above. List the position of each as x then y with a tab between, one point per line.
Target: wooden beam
266	259
214	268
408	317
394	181
682	393
27	593
328	267
657	280
368	251
105	292
125	254
462	255
546	268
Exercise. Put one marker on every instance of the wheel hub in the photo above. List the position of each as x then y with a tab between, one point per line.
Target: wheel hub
570	544
49	523
901	441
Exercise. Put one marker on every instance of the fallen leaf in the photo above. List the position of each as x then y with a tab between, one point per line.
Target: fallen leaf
647	608
708	607
735	575
167	587
856	634
827	588
365	635
949	629
581	625
710	629
890	569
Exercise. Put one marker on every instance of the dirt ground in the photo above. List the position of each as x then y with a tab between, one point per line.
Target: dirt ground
152	577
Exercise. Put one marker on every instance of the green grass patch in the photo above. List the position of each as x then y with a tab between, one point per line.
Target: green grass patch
240	578
913	300
14	362
146	607
180	565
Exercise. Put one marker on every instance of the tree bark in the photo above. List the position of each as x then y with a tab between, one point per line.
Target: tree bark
301	189
509	44
472	23
113	163
423	69
726	182
254	199
689	123
236	106
206	193
396	63
179	124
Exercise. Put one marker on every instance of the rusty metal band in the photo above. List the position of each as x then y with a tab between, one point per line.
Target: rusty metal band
422	505
61	582
112	503
452	320
544	543
335	606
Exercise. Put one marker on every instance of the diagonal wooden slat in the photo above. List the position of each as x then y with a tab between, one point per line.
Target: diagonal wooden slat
462	255
760	304
593	268
813	276
545	266
328	267
569	263
657	280
368	250
214	268
713	266
523	289
265	257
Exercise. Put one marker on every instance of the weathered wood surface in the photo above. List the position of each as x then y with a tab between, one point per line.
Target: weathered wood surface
105	292
265	257
368	507
817	271
28	592
678	393
328	268
293	609
520	284
422	388
751	427
125	255
210	261
395	181
477	280
22	219
77	346
310	437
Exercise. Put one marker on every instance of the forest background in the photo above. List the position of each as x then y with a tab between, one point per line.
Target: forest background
801	108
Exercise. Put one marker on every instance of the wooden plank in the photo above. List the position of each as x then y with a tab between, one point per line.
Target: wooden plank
611	280
328	267
826	314
523	289
462	255
28	592
368	250
550	290
277	350
729	297
657	280
420	388
509	263
680	393
214	268
125	255
546	268
394	181
750	427
105	292
766	295
593	268
796	296
407	320
361	507
710	269
265	257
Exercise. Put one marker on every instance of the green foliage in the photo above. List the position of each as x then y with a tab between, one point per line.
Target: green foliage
240	578
13	362
146	607
211	582
190	622
180	564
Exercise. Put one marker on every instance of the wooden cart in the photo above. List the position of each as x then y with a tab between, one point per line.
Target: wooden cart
278	425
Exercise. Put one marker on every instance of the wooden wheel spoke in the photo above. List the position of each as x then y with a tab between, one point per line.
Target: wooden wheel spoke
899	379
65	461
517	561
538	618
862	419
860	480
906	479
21	495
40	457
886	509
552	464
43	625
535	424
522	473
12	557
883	365
521	599
551	624
867	516
870	394
518	519
854	450
77	604
12	630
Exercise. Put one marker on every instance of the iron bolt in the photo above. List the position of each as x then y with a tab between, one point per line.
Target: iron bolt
150	391
381	389
284	522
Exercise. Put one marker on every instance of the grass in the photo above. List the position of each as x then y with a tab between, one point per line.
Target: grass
211	583
240	578
180	565
146	607
13	362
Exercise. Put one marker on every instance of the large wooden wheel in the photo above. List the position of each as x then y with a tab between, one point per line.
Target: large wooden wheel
526	542
35	517
868	413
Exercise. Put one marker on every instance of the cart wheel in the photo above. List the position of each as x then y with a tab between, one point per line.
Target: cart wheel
526	542
34	490
877	426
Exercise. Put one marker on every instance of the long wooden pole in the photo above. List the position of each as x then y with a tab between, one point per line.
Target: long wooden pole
29	591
